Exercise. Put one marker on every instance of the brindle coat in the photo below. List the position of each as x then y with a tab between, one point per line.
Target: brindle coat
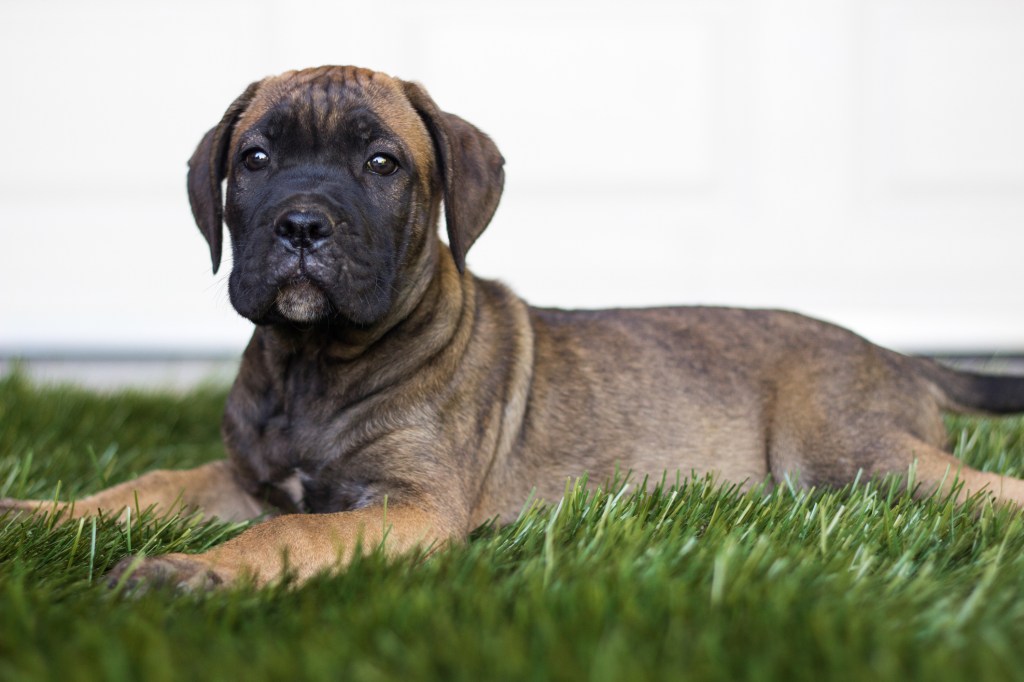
386	390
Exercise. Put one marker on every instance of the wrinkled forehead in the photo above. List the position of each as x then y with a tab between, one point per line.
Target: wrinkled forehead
336	98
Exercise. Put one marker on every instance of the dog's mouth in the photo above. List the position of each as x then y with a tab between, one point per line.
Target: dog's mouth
301	300
305	291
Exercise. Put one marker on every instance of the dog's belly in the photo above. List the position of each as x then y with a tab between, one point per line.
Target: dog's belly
651	444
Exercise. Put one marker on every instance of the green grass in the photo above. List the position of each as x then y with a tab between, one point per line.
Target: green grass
693	582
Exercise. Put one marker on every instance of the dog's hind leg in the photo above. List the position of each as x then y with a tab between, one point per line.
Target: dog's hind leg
935	470
210	489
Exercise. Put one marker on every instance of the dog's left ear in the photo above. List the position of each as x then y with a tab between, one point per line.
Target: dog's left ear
207	168
471	170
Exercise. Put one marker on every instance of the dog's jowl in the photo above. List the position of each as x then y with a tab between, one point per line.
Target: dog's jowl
388	394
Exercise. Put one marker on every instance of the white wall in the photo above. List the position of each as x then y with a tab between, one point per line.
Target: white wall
860	160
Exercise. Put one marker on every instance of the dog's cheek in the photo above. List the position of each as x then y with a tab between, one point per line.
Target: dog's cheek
241	294
392	206
242	219
249	287
238	208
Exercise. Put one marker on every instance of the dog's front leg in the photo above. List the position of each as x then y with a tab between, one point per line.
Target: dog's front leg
211	489
298	546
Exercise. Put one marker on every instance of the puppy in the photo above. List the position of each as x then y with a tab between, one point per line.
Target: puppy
388	395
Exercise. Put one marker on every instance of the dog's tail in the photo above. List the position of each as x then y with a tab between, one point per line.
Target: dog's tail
975	392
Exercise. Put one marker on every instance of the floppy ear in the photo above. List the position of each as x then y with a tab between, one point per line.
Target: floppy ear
207	168
471	171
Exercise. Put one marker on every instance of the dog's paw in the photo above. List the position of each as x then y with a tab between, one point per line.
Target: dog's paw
9	504
13	506
180	572
58	512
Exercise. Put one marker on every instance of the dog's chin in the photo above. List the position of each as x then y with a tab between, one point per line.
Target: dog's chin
302	302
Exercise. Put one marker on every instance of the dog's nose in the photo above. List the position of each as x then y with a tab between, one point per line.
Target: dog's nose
303	229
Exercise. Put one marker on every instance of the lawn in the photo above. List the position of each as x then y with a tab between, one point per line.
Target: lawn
693	581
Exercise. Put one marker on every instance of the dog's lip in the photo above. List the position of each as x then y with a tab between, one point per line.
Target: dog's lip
299	278
302	281
299	274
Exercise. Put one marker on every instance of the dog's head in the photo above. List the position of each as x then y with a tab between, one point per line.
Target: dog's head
334	181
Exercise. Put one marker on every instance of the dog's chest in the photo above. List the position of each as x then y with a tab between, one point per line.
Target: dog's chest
305	466
295	446
301	492
302	482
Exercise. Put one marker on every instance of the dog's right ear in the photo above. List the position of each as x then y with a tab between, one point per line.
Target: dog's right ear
471	171
207	168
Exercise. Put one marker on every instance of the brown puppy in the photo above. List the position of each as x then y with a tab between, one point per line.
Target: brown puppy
388	392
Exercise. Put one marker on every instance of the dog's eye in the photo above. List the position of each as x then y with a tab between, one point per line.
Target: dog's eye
256	159
382	164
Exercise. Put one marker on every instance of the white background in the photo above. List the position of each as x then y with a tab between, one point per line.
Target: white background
859	160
